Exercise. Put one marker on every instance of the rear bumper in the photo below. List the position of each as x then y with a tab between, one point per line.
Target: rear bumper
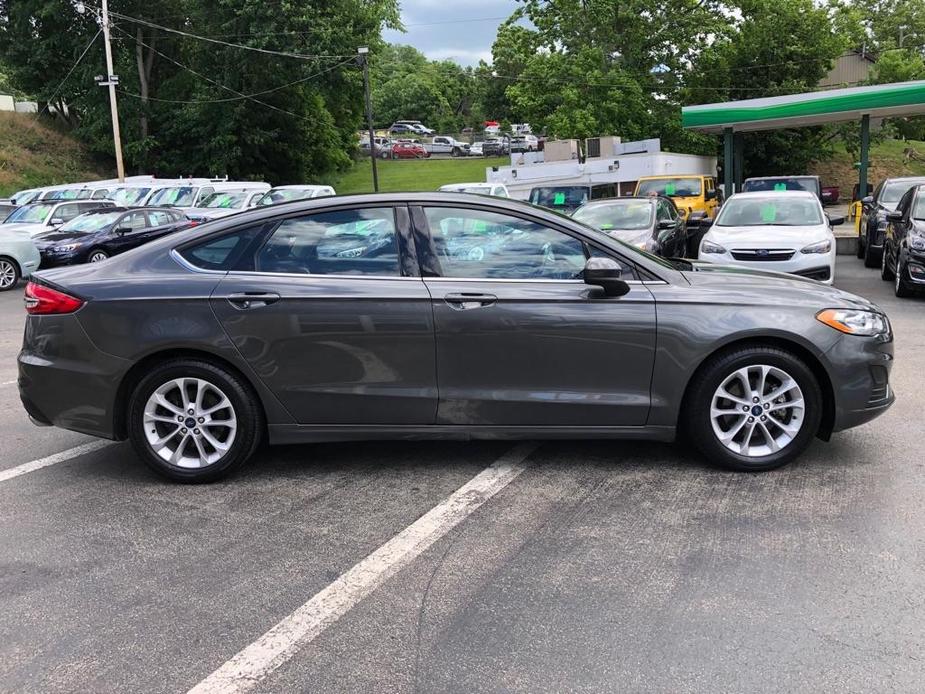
65	380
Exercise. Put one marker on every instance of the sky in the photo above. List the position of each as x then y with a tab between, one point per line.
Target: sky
445	30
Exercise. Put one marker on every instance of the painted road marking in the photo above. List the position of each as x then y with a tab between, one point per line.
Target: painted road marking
246	669
62	457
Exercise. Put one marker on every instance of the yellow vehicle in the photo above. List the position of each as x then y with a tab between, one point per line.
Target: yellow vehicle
690	192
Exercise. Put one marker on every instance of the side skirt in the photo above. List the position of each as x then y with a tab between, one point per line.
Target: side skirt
294	433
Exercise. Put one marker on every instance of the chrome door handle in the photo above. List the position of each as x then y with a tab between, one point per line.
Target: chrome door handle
465	301
247	300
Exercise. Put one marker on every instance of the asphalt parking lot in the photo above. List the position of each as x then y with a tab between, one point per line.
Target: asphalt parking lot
592	566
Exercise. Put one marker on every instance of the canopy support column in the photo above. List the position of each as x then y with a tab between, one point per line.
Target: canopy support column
728	162
739	161
865	154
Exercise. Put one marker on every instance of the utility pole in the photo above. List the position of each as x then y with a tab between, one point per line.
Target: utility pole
111	81
363	58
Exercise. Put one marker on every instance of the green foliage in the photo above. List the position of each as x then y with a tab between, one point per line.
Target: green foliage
414	174
194	120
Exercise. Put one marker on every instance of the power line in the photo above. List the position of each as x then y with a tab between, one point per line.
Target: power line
242	96
212	81
69	73
285	54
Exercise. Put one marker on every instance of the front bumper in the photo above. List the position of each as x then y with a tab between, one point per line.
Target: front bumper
817	266
50	259
859	368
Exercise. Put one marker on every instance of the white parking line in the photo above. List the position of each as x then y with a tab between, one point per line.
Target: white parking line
62	457
246	669
8	383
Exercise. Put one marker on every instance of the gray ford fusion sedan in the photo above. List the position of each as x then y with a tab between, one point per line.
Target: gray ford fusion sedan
439	315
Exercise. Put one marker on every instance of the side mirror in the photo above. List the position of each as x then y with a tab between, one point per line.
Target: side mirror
868	200
606	274
894	216
665	224
56	221
121	231
837	220
709	195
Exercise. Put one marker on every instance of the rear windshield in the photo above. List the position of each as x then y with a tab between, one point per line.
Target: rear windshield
617	216
671	187
760	185
560	196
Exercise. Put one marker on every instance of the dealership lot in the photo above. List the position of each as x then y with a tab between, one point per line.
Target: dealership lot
602	566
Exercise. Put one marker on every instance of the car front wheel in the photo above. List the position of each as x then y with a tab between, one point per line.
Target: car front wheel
98	256
871	255
886	273
900	286
194	421
754	409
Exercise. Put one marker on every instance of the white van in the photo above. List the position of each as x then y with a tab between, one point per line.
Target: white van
226	200
294	192
189	193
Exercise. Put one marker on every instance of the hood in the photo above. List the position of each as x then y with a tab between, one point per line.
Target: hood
51	238
768	236
769	287
206	213
32	229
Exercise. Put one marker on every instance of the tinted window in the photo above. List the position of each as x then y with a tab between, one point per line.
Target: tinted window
482	244
160	218
222	253
348	242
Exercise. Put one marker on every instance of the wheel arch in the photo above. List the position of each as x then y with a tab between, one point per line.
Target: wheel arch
134	375
811	360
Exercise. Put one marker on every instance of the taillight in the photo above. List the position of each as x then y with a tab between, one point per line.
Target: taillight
42	300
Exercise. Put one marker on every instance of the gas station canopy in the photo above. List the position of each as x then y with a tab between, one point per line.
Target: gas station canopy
812	108
800	110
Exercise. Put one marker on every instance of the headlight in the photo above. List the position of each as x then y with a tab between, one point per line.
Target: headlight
710	247
855	321
65	249
917	243
819	247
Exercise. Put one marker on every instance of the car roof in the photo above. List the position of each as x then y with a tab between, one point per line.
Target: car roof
626	198
678	175
779	178
904	178
298	186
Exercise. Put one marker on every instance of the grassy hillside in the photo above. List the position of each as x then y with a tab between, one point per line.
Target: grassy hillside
414	174
32	153
886	160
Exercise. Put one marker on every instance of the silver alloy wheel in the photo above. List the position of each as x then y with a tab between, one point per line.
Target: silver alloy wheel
757	410
7	274
190	422
98	257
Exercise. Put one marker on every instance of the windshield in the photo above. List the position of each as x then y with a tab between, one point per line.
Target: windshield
629	215
127	197
29	214
271	197
224	200
176	197
26	197
769	211
564	196
62	194
670	187
894	190
88	223
761	185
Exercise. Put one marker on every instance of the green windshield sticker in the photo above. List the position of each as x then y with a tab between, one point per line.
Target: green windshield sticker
606	227
670	189
480	226
559	199
778	187
768	214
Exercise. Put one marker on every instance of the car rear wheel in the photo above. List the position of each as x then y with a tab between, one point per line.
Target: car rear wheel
97	256
900	287
9	274
886	274
754	409
194	421
871	256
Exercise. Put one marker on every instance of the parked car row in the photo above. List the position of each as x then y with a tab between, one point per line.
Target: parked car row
891	233
65	226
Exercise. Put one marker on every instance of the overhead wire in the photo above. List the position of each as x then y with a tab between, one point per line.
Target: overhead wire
69	73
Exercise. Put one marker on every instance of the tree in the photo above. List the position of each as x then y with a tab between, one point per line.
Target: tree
777	47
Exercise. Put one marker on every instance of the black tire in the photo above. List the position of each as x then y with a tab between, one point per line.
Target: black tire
247	411
698	424
455	151
900	287
10	274
97	253
886	272
871	256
